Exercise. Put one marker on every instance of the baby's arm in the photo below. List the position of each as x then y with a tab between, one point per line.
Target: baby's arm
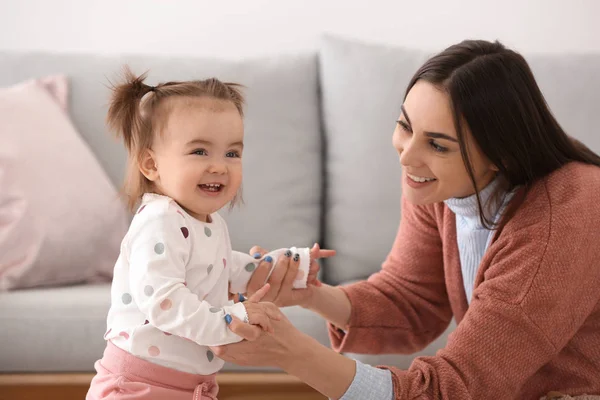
158	252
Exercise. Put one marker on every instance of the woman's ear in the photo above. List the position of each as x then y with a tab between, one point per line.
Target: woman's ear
147	165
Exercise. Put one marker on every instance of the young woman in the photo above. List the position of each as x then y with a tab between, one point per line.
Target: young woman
500	229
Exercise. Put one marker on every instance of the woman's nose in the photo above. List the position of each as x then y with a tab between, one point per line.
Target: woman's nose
408	151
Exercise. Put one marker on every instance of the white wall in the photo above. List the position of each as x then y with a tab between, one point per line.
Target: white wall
237	28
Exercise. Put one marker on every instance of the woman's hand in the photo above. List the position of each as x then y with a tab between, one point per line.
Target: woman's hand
292	351
260	316
259	348
282	278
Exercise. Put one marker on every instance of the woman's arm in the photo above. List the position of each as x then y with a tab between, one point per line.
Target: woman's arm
294	352
298	354
327	371
331	303
405	306
336	376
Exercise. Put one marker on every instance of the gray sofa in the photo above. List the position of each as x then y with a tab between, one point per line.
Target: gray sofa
319	166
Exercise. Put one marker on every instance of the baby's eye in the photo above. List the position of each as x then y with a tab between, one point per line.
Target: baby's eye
199	152
233	154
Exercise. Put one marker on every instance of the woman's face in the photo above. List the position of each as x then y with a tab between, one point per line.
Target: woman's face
426	140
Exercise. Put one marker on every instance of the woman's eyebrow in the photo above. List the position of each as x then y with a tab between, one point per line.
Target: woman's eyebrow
434	135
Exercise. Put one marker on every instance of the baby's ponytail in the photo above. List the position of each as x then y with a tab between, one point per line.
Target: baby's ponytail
128	122
124	115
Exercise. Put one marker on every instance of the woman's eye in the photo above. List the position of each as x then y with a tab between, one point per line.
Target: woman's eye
437	147
233	154
199	152
404	126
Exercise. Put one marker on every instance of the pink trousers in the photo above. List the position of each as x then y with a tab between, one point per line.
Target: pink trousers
122	376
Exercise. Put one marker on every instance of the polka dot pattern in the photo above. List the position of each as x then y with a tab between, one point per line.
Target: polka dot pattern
124	334
153	351
159	248
207	231
210	356
185	232
126	298
146	322
148	290
250	267
166	304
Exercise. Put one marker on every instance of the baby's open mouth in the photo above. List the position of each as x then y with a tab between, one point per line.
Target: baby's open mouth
211	187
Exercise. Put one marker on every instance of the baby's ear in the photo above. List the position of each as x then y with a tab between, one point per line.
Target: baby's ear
147	165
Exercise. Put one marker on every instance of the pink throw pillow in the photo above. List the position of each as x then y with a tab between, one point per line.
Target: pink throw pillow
61	220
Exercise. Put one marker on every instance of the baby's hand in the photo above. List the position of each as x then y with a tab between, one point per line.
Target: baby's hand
315	253
261	313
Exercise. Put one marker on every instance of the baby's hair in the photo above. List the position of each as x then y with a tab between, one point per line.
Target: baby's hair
138	111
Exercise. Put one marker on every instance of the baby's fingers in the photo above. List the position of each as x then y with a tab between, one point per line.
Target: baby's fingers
317	252
263	321
272	311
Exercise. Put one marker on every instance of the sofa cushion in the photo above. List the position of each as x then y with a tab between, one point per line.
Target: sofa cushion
61	221
282	157
362	88
60	329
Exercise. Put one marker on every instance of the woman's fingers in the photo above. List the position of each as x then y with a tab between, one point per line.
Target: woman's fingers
257	252
258	278
277	277
314	268
247	331
291	273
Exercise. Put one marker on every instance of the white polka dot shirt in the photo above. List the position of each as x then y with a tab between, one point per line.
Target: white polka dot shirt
170	288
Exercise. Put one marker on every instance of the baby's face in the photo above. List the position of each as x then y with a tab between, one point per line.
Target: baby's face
198	154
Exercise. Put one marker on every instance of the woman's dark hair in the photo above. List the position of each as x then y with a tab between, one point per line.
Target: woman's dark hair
493	91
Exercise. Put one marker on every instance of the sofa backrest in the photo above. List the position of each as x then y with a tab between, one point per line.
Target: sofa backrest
282	158
291	162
